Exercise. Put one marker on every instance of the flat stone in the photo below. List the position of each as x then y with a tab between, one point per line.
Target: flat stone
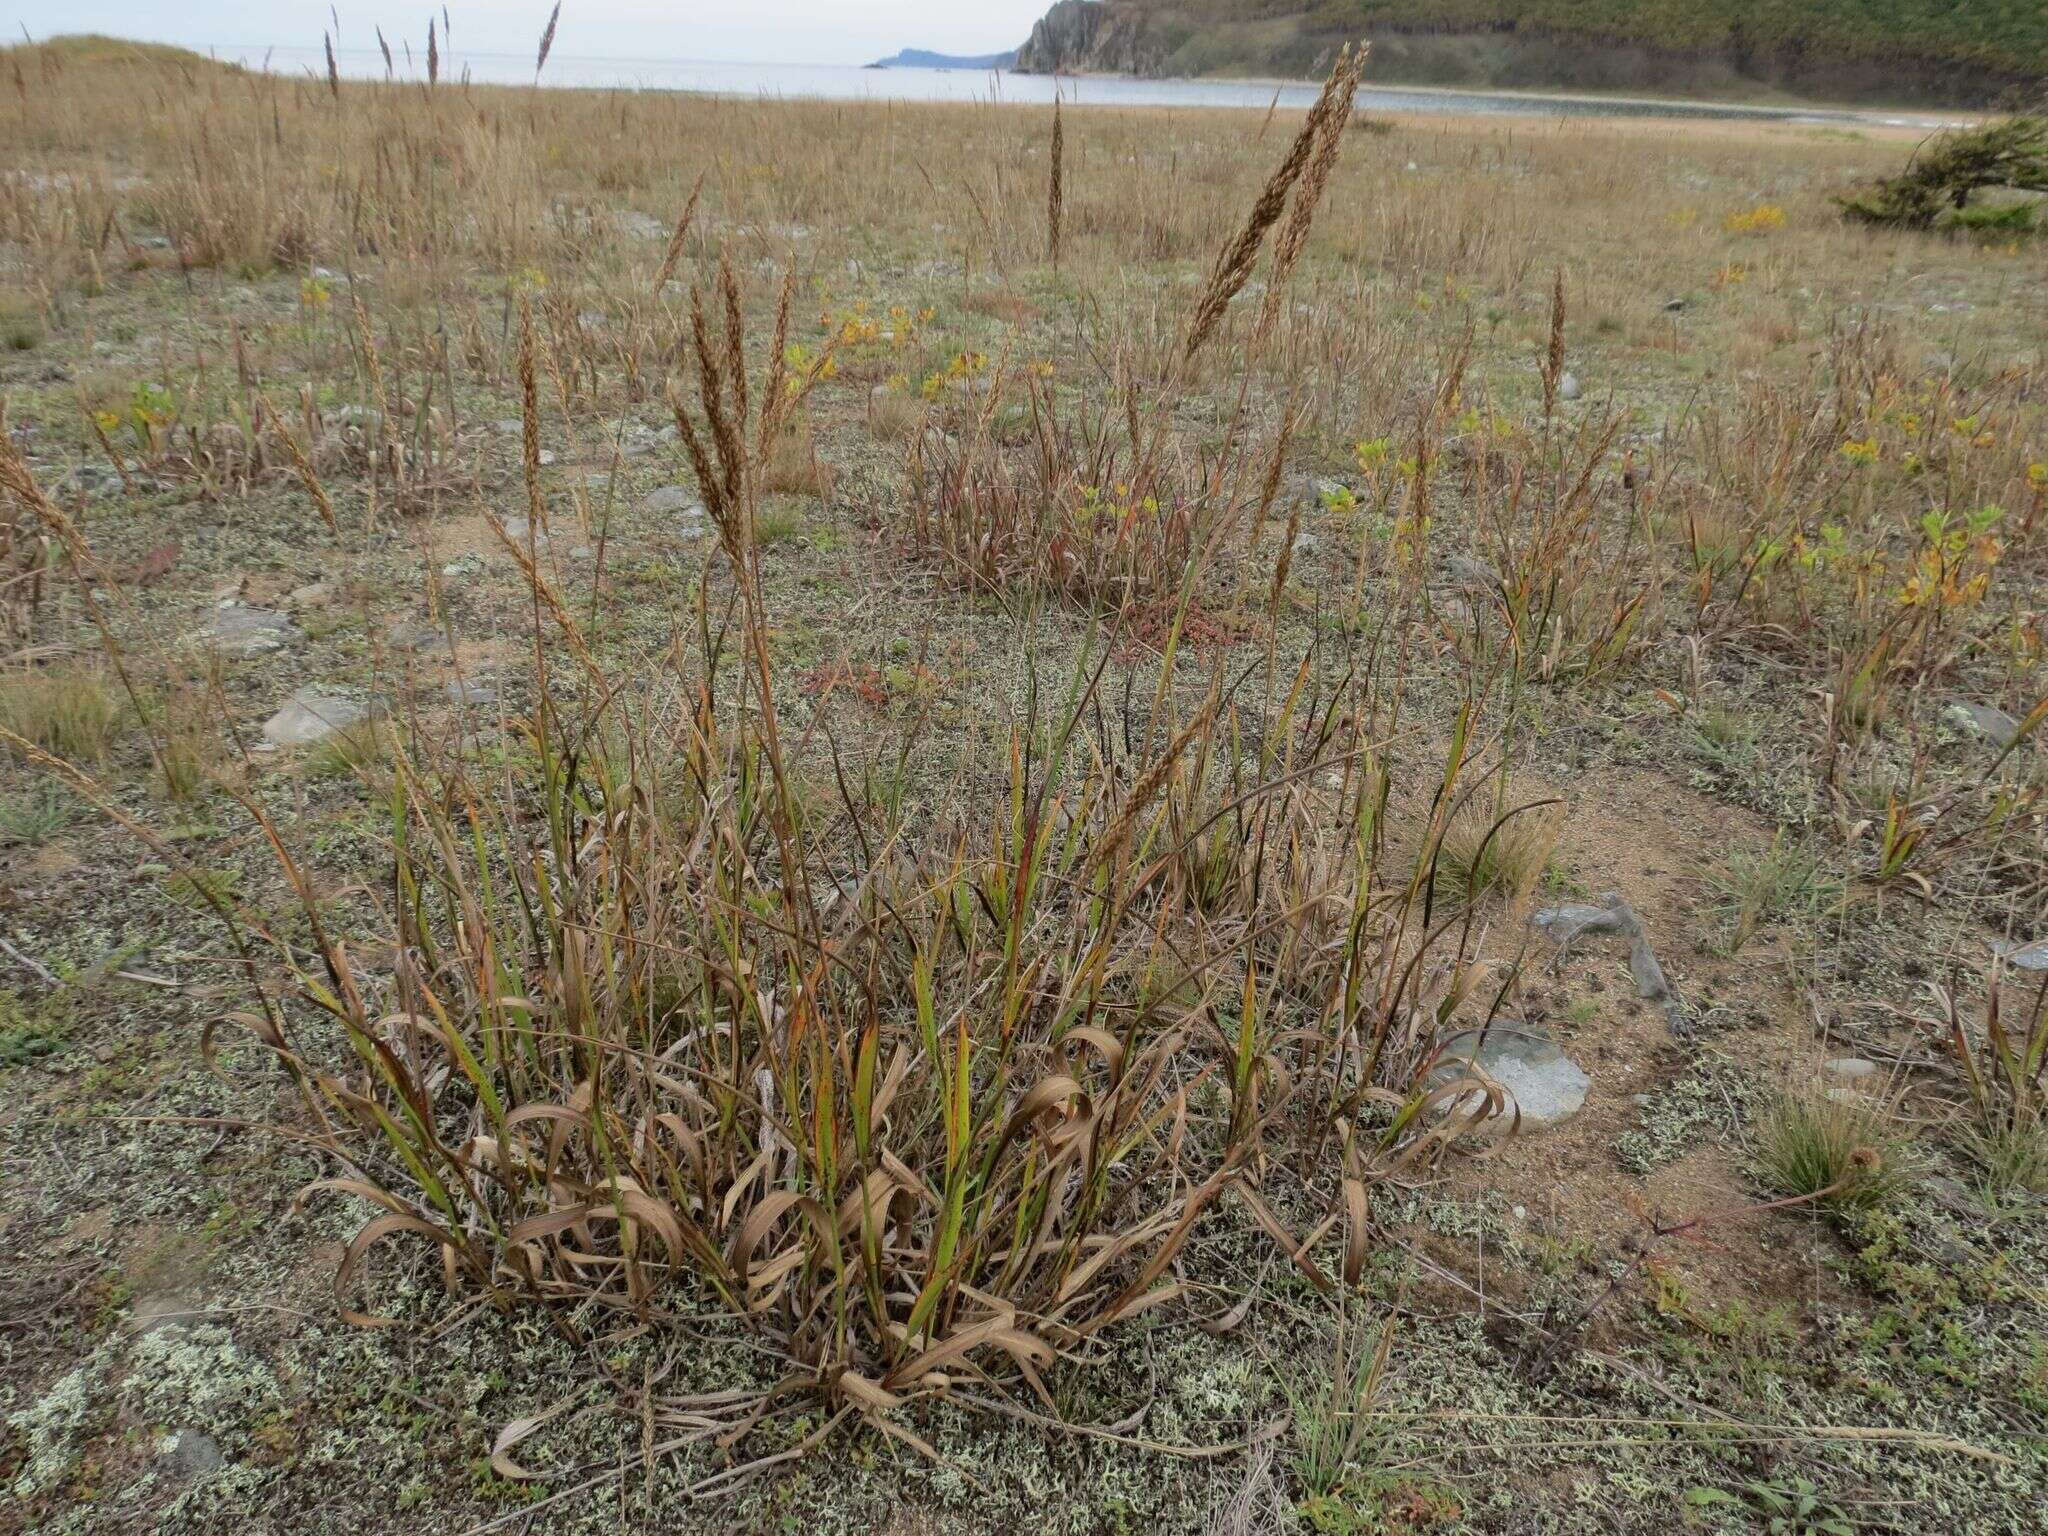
313	714
517	528
1568	387
464	692
413	638
1471	573
1852	1067
193	1453
1983	722
2026	957
365	419
511	426
1567	920
1546	1085
241	631
672	501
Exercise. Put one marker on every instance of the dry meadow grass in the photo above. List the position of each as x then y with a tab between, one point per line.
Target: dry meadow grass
875	949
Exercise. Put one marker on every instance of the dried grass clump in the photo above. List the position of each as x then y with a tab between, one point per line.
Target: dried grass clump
894	414
1483	854
793	467
72	712
358	752
21	322
1072	512
1832	1146
668	1032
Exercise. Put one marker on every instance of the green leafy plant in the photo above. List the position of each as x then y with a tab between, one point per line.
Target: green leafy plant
1784	880
1945	174
1333	1424
29	1033
2004	1066
33	817
1794	1507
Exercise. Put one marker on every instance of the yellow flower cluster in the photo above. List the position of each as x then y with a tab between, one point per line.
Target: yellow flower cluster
1760	220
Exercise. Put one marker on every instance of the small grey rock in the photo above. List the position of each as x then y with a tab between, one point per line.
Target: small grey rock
1673	306
1546	1085
193	1453
1982	722
1567	920
313	714
2026	957
1852	1067
1643	966
1471	572
239	631
366	419
466	693
1568	387
510	426
671	501
414	638
517	529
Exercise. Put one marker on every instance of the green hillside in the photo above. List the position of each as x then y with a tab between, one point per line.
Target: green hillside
1963	51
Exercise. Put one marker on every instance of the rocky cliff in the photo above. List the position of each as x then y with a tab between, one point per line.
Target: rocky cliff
1941	52
1085	37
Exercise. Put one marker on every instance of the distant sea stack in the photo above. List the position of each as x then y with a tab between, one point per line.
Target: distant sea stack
924	58
1086	37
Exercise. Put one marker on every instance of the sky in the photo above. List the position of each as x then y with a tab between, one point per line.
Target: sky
774	31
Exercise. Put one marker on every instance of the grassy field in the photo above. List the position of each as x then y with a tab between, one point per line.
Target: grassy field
723	815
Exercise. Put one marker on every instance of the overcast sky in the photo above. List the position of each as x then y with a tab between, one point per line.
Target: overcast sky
778	31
